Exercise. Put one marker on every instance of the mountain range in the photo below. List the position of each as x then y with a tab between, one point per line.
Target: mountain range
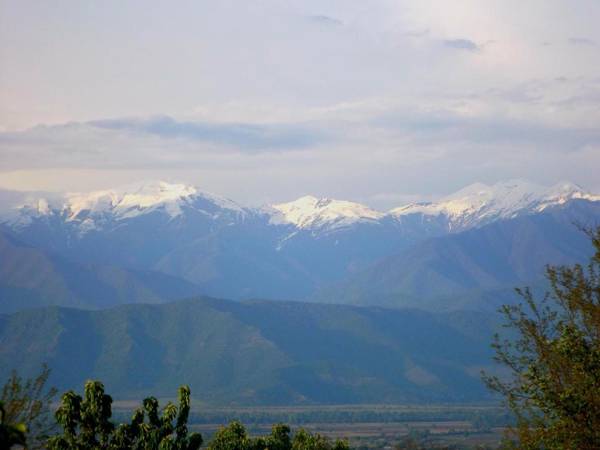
476	269
260	352
477	240
128	285
30	277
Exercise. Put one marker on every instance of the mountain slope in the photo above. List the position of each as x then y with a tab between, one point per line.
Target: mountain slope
314	213
30	277
209	241
258	352
455	270
480	204
287	250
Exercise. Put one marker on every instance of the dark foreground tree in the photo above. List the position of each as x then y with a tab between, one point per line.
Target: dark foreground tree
86	424
303	440
28	402
11	434
232	437
235	437
553	356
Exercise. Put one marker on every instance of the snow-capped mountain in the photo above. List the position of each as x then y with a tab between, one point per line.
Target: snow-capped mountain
478	204
309	212
472	206
130	201
93	210
136	199
283	250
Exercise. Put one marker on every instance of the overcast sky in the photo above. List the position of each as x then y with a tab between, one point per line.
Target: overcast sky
376	101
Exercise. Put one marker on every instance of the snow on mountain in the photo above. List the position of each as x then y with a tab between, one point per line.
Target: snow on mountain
473	205
126	202
129	201
563	192
134	200
19	209
311	212
480	203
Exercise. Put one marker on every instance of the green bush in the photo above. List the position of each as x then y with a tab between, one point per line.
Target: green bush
553	357
86	424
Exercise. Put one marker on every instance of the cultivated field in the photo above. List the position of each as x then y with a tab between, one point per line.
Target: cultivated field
365	426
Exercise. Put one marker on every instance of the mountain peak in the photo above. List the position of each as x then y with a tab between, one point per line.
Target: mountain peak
499	189
130	200
473	205
313	212
566	187
123	202
479	203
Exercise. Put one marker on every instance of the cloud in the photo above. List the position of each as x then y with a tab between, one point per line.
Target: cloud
278	98
417	33
462	44
389	148
249	137
157	144
321	19
582	41
426	130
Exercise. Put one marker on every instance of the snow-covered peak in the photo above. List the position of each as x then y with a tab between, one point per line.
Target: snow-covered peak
130	200
474	205
480	203
21	208
93	210
311	212
136	199
564	191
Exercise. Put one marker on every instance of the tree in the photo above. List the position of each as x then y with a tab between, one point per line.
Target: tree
11	433
86	424
553	358
28	401
279	439
303	440
166	432
232	437
85	421
235	437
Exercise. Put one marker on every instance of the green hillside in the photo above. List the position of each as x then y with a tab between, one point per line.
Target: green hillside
30	277
256	352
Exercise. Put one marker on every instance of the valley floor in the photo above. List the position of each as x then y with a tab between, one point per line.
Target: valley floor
364	426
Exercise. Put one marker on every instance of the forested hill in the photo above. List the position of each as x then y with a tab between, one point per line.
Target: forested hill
32	277
257	352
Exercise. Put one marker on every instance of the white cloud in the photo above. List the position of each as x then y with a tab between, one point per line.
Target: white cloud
342	98
462	44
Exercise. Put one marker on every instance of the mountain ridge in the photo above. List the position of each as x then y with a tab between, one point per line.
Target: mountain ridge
236	252
31	277
475	204
440	272
261	352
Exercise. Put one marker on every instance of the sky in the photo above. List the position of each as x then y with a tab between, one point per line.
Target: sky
382	102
